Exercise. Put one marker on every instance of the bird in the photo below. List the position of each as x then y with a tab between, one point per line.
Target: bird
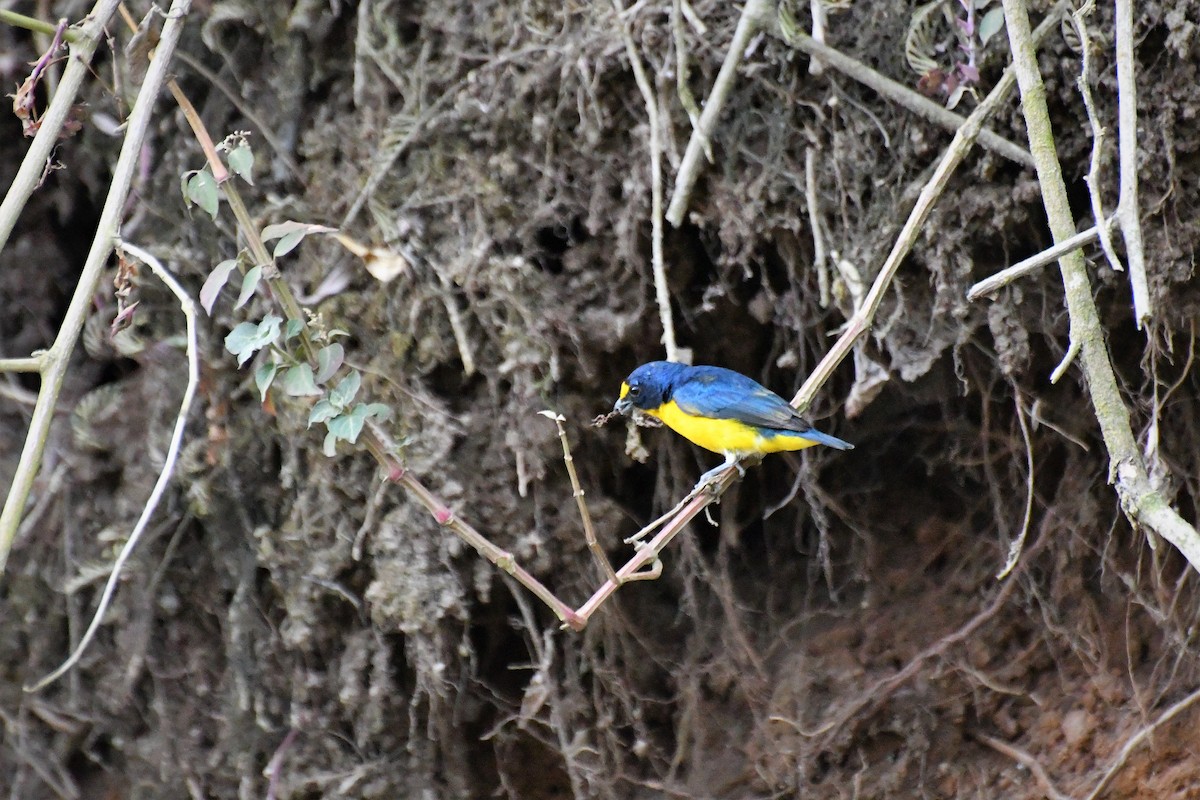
720	410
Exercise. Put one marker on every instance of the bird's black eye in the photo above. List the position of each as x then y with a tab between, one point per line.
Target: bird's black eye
635	390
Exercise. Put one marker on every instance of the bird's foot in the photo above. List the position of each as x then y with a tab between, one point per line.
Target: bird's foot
708	480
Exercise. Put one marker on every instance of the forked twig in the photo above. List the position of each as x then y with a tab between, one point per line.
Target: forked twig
1026	760
1138	738
589	531
1128	209
1035	262
662	294
188	306
1140	500
53	362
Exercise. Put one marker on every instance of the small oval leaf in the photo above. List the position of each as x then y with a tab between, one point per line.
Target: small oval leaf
329	361
249	284
215	282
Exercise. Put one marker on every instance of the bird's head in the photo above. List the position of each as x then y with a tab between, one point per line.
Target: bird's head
648	386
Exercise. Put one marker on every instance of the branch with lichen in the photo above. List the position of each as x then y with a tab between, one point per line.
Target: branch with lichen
1142	503
52	364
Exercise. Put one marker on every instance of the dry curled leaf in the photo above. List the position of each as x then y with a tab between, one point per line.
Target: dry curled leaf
384	265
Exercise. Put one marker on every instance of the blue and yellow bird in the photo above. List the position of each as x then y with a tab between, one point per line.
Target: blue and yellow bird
720	410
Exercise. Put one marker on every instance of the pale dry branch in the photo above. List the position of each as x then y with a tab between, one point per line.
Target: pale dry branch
1026	760
1142	503
1035	262
1018	544
56	359
188	306
1138	738
755	15
29	175
1128	209
1079	18
964	138
897	93
662	293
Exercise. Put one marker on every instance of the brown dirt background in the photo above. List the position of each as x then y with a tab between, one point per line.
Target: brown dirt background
841	634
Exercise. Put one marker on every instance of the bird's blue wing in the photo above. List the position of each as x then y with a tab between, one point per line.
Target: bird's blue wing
724	394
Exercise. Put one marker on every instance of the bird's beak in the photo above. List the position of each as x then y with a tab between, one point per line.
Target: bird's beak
623	404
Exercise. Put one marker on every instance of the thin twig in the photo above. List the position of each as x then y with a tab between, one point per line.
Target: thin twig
57	358
1141	501
589	531
275	766
1128	209
1014	551
1089	104
964	138
83	46
188	307
1026	760
812	204
662	294
1140	737
682	90
1034	263
755	15
897	93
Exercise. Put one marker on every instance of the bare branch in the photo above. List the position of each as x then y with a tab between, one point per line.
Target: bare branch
755	16
56	359
897	93
1034	263
188	306
661	293
83	47
1128	210
1141	501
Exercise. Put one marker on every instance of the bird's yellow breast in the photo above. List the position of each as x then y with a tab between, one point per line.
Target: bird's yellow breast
725	435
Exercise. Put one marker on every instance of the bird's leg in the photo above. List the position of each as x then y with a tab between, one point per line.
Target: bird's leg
731	459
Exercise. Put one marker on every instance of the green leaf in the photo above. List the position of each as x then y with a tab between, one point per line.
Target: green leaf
290	234
287	243
248	338
343	394
380	411
215	282
263	376
183	186
991	24
329	361
349	426
321	411
329	448
298	381
202	190
241	161
249	284
292	329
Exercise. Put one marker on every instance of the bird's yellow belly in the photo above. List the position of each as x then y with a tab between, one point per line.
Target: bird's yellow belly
725	435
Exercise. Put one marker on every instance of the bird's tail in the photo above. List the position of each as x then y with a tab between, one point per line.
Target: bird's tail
814	435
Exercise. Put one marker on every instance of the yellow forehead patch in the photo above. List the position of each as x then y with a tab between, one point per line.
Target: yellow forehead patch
624	391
